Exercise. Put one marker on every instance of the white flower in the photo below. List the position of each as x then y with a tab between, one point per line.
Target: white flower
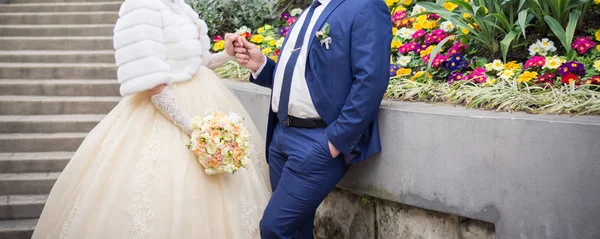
211	148
497	65
553	62
488	67
405	33
242	30
506	74
543	52
230	168
417	9
534	49
295	12
546	44
447	26
279	42
404	60
210	171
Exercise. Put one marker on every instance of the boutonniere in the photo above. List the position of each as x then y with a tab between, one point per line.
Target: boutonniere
323	35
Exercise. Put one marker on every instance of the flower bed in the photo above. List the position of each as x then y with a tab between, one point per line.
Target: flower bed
437	57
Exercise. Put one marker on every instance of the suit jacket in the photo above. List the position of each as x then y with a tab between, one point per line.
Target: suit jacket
348	80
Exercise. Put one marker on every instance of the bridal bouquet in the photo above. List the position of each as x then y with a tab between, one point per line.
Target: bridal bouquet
220	142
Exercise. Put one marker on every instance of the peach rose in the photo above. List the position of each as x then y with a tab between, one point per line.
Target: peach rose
236	129
215	134
238	154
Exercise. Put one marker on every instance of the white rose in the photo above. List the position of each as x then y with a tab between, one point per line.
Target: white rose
235	118
211	148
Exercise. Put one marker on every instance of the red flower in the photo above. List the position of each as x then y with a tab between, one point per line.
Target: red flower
246	35
277	52
570	77
595	80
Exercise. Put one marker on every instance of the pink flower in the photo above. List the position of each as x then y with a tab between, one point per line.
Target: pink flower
583	44
217	38
478	76
418	34
536	61
290	21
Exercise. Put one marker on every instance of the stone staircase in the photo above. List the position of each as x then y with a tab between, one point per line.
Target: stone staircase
57	81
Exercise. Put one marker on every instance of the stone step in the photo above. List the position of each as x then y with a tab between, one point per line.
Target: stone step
56	43
48	123
21	206
27	183
57	30
42	162
61	7
40	142
69	18
57	71
57	56
17	229
55	105
60	87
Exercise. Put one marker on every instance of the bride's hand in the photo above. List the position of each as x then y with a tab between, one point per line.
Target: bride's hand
230	38
248	55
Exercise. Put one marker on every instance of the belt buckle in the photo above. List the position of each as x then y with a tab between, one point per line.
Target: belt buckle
286	122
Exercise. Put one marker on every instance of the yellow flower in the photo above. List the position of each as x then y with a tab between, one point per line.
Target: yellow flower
464	30
390	2
394	31
407	2
513	65
268	27
417	26
466	15
597	65
420	74
403	72
527	76
220	45
396	44
422	18
490	81
272	43
257	39
267	50
427	51
450	6
261	30
553	62
598	47
598	33
597	1
274	58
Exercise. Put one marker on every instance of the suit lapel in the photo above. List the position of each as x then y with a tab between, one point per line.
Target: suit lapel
328	10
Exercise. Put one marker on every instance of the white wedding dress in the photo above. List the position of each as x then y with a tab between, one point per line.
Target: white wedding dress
133	176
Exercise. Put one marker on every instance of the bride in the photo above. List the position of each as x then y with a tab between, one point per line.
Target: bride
133	176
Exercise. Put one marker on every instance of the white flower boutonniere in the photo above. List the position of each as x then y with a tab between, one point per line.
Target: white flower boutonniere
323	35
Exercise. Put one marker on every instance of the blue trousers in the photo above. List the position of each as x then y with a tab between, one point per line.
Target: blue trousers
302	173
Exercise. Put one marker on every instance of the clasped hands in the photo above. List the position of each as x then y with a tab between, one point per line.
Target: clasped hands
250	57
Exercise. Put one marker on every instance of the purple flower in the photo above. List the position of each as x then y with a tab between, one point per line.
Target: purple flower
393	69
433	17
573	67
456	76
418	34
285	16
457	48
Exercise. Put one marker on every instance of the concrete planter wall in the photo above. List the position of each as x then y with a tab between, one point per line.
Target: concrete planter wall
3	1
533	176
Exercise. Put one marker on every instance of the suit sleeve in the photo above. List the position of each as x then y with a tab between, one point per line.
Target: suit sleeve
371	38
265	76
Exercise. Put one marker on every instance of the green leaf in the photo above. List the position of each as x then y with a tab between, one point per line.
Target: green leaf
558	31
570	32
505	43
436	50
522	20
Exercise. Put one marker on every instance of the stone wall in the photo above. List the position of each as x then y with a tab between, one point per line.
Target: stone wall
345	215
532	176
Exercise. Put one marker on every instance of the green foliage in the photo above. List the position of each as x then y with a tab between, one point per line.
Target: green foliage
227	15
559	10
565	36
493	24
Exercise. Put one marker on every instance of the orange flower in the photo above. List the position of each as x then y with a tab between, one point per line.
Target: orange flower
215	134
238	154
236	129
213	162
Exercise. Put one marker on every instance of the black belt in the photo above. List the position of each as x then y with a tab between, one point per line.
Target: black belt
292	121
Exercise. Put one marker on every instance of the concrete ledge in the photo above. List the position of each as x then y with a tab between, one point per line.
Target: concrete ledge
533	176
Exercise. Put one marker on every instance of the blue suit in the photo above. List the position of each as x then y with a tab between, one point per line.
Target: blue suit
346	84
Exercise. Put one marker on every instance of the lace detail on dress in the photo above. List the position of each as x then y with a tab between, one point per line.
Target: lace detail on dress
140	213
166	103
249	219
67	223
211	106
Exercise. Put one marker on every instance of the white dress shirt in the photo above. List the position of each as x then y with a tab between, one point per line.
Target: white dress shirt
301	104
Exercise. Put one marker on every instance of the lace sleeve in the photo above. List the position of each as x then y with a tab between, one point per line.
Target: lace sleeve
166	103
218	59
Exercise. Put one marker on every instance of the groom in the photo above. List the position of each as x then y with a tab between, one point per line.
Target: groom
326	91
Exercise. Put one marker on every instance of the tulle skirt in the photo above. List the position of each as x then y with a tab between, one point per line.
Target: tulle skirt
133	176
